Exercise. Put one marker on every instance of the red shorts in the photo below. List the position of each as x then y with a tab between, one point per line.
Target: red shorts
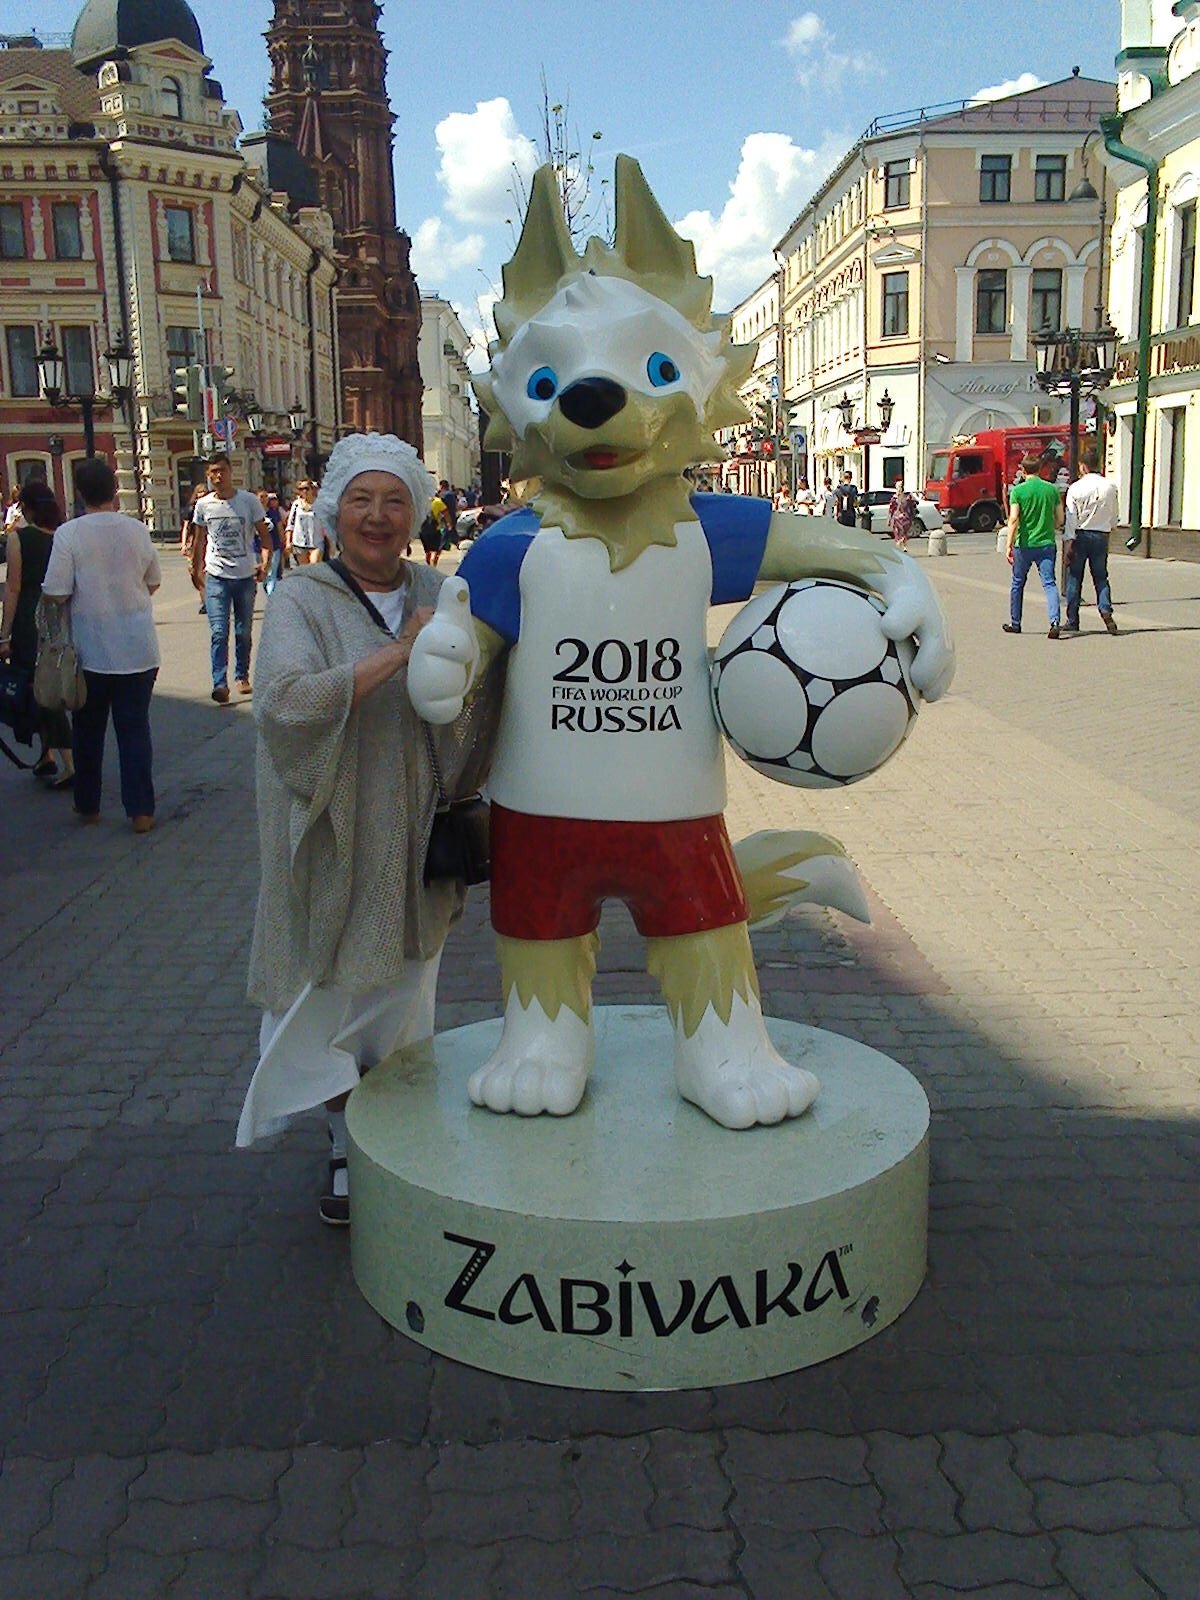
551	874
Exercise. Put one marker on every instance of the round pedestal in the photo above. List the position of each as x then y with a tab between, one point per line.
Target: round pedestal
936	545
637	1244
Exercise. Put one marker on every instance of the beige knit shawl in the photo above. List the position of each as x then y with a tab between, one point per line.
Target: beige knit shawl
346	796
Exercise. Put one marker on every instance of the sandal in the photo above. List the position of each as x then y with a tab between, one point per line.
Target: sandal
65	780
334	1204
45	768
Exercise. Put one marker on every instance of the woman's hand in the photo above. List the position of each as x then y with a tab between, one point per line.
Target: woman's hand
373	671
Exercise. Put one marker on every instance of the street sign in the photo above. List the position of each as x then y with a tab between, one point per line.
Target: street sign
225	428
867	436
799	438
277	447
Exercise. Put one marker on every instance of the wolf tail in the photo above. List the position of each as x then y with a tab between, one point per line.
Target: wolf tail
781	869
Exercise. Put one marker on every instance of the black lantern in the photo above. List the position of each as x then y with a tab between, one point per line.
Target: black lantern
886	406
297	417
846	406
51	369
1045	345
119	359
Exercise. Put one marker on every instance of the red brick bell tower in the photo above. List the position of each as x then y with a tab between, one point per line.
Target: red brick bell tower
328	96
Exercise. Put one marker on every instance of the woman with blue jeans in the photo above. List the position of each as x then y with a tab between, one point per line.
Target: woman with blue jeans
105	565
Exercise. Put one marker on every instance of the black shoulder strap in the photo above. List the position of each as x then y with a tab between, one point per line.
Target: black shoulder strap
25	766
356	589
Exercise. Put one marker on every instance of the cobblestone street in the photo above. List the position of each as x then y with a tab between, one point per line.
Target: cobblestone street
198	1402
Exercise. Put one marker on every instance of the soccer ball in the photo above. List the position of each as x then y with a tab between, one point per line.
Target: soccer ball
807	688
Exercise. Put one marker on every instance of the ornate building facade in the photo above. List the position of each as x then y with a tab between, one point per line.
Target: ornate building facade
328	97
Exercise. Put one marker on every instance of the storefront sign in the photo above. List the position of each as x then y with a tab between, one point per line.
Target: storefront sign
277	447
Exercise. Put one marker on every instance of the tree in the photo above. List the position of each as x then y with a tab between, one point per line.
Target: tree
584	199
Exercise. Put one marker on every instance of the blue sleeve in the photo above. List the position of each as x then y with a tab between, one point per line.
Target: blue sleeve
736	527
492	570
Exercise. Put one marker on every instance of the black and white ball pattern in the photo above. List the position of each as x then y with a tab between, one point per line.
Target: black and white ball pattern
808	689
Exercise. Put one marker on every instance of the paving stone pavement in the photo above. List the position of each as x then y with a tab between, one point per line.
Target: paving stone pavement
197	1402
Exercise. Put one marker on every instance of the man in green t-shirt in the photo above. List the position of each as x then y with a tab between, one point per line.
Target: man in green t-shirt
1035	514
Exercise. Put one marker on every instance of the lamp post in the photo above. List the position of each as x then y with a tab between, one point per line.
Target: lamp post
865	435
52	374
1071	363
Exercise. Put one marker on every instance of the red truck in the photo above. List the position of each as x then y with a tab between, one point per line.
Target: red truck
969	479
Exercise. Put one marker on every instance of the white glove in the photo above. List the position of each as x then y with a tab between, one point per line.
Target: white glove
914	608
444	656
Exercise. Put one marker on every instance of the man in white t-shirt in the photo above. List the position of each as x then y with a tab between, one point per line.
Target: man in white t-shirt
1091	515
231	543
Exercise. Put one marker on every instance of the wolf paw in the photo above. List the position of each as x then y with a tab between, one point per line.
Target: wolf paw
733	1072
539	1065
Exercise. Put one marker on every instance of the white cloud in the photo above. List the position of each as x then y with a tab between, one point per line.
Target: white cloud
774	179
1001	91
436	253
818	60
479	150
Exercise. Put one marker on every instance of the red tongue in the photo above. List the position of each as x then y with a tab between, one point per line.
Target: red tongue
600	458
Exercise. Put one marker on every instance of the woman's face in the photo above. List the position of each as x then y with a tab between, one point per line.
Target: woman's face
375	518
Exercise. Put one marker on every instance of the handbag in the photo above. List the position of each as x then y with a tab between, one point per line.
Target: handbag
58	680
460	838
18	709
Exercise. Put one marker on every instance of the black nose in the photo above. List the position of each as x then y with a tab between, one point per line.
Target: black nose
591	402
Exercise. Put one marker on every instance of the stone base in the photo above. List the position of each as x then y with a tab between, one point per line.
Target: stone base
637	1244
936	544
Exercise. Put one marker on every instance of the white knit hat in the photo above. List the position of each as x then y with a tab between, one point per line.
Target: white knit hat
372	452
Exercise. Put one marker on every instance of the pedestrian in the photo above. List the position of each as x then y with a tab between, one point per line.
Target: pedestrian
274	516
1034	518
846	498
187	535
902	513
14	517
449	497
348	935
828	498
226	522
783	499
433	529
301	539
29	547
806	499
1090	516
106	566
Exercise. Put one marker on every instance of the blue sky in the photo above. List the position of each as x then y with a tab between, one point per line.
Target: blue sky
735	111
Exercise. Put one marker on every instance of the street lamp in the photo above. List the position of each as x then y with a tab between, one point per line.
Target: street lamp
297	417
866	435
52	381
1071	363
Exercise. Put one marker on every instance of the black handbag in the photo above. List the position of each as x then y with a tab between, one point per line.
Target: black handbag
18	708
460	839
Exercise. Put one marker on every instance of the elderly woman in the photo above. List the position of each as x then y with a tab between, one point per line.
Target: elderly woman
348	937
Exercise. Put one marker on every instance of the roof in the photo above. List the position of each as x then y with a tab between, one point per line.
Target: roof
108	29
282	168
78	95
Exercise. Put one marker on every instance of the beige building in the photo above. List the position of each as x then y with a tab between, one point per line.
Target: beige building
127	207
751	467
448	419
1158	94
939	244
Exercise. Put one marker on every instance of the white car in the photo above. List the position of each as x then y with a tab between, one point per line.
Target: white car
928	512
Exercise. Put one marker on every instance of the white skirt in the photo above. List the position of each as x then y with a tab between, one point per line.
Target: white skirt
319	1047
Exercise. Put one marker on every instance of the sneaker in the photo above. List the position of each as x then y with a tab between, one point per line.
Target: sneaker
244	686
1069	627
143	824
221	694
1053	631
1109	621
1012	627
334	1205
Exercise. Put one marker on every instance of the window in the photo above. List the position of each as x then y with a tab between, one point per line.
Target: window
893	468
80	372
995	179
68	241
991	301
968	466
172	99
895	185
29	469
1045	302
181	242
895	304
1185	282
1050	178
22	360
12	232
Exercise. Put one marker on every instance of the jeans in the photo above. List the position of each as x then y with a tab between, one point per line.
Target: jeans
1089	550
274	571
1042	557
220	596
127	695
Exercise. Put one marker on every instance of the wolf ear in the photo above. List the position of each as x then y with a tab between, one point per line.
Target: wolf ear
543	255
652	250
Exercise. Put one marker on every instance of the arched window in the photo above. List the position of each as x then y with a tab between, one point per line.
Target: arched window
172	98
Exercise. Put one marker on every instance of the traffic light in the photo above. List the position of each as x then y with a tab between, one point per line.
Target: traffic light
765	416
221	382
188	392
